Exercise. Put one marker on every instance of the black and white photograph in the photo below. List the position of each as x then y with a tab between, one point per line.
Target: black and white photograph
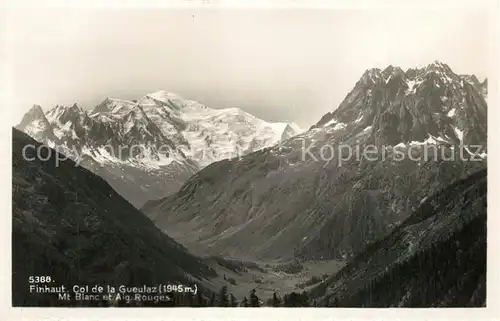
210	157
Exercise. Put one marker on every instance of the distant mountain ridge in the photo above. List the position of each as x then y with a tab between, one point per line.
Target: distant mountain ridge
147	148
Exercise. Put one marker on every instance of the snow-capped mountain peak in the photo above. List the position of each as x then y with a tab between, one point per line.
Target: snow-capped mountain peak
113	109
163	96
170	100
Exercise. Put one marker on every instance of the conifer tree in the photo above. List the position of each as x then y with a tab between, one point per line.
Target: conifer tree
276	300
200	302
212	300
223	297
304	299
190	300
293	300
286	300
233	301
254	299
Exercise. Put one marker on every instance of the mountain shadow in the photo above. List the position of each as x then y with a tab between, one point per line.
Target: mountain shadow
435	258
70	225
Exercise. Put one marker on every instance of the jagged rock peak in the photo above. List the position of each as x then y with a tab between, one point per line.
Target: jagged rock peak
36	111
391	107
434	71
62	113
63	108
34	114
103	106
436	64
471	78
35	124
373	75
392	70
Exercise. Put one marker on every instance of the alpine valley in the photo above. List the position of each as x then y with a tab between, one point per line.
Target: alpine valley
304	218
290	203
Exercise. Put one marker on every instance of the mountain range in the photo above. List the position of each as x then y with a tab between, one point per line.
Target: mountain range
147	149
212	192
284	201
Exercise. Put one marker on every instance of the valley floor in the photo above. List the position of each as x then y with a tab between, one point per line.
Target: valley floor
266	278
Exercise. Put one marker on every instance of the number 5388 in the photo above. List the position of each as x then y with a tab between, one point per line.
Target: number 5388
39	279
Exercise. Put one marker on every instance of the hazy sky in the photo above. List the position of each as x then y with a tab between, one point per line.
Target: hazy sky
283	65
